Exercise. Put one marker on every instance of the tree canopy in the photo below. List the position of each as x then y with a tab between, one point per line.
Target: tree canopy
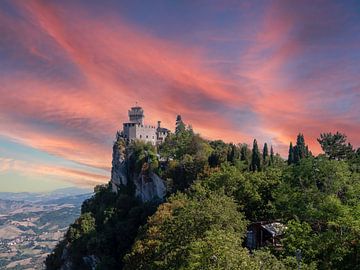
335	146
214	191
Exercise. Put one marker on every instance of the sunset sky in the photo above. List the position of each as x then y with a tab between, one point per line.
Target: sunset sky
235	70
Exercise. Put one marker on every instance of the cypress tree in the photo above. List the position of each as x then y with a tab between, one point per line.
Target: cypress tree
296	155
291	154
265	154
301	147
179	126
232	153
255	158
244	153
271	155
300	150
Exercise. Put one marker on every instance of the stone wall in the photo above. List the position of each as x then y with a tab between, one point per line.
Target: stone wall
133	131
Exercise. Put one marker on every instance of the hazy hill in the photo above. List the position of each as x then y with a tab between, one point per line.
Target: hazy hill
32	223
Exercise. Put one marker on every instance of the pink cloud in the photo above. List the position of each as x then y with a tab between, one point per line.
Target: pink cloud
120	64
74	176
287	106
117	64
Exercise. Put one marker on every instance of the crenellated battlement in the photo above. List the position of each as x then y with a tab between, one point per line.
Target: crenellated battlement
135	129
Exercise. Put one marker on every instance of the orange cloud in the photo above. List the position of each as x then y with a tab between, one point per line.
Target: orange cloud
119	63
287	106
85	72
74	176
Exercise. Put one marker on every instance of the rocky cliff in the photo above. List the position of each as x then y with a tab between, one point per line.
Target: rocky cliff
148	185
113	219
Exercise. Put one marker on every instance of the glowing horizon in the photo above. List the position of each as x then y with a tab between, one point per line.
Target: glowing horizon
235	70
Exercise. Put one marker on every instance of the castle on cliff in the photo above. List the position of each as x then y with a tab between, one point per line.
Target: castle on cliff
147	186
135	129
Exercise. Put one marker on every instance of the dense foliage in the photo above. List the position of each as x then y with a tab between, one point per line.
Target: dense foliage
173	237
106	229
215	190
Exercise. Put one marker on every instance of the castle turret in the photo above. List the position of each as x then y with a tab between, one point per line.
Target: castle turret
135	129
136	115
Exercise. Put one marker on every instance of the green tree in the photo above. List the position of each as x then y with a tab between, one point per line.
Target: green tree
163	243
187	155
179	125
143	157
300	236
291	154
252	190
219	154
300	150
233	153
255	158
245	153
322	193
271	155
335	146
218	250
265	155
245	157
85	224
106	229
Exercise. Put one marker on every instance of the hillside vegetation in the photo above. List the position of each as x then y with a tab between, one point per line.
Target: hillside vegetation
214	191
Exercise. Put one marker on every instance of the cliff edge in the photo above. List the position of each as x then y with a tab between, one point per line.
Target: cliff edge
125	159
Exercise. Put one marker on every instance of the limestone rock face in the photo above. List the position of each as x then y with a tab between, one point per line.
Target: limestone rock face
119	170
148	185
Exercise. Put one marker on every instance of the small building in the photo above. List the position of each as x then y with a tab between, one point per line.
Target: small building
135	129
264	233
161	133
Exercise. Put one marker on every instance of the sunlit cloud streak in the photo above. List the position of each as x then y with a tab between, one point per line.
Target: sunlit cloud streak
69	74
297	66
73	176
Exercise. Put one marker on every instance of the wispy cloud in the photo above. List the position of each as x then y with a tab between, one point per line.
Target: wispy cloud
73	176
69	74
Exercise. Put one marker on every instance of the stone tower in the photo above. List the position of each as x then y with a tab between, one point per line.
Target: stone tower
136	115
135	129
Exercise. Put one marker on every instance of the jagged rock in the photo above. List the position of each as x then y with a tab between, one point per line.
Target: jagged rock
148	185
118	171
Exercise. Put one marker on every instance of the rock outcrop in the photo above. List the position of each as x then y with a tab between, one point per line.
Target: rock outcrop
148	185
119	168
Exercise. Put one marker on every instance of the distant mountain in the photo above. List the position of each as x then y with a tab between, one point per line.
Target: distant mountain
71	191
7	206
74	199
32	223
44	196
